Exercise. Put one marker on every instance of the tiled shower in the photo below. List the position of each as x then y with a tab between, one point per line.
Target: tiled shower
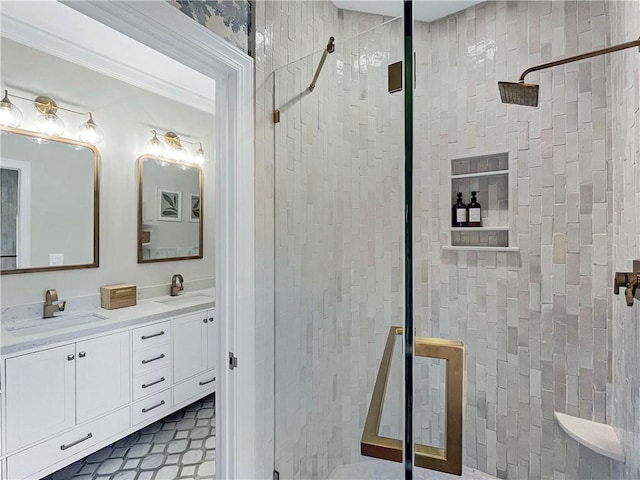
541	328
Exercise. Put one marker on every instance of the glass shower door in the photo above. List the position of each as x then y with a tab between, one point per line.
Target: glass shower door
339	223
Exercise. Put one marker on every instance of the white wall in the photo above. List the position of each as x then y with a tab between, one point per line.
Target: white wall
126	114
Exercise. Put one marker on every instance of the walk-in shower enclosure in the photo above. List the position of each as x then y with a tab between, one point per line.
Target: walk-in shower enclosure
528	292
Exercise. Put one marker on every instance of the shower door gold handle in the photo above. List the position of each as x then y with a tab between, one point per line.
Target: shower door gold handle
447	459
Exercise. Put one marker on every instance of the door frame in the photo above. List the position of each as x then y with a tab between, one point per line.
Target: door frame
163	28
23	230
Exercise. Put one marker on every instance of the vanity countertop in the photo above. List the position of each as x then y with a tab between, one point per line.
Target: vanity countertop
148	310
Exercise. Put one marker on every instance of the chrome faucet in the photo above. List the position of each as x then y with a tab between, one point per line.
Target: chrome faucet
50	307
175	288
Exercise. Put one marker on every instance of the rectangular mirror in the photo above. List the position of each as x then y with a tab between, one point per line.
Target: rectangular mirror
49	207
169	210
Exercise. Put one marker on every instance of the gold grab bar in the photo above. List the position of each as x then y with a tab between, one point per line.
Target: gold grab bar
448	459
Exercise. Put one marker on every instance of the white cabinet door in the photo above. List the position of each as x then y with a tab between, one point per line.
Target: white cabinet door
189	345
102	375
40	395
213	338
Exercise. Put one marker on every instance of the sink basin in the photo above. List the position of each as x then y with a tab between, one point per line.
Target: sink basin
185	300
43	325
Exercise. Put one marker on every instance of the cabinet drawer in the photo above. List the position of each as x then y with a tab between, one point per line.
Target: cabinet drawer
194	387
154	406
151	335
153	358
151	382
28	462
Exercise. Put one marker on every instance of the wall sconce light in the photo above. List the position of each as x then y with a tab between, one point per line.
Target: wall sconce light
10	115
47	122
174	149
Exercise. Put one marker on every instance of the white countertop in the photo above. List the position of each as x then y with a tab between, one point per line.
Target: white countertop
145	311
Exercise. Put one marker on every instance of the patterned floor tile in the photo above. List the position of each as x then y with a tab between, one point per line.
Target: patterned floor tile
181	445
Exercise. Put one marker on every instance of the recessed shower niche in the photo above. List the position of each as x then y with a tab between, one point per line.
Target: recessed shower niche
488	176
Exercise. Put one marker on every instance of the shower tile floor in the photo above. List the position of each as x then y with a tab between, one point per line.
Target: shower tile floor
382	470
181	445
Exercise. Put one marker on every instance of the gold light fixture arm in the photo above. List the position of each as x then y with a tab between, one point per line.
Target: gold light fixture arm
46	105
595	53
330	49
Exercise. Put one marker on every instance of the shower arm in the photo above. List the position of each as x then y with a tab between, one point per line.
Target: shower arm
595	53
330	49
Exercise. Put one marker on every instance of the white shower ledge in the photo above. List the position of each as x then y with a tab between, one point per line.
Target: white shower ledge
599	437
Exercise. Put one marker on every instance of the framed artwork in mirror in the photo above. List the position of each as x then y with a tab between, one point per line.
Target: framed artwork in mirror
169	206
194	211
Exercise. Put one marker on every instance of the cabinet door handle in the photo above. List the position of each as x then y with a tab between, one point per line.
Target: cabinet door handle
208	381
210	319
147	385
145	410
145	337
82	354
71	357
144	362
204	320
72	444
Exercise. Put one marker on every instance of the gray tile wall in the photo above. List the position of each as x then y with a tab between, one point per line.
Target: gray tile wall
624	407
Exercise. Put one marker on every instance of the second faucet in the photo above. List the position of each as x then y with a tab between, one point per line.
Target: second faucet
175	286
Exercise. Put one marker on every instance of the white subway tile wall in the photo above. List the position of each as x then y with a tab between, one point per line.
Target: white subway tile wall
537	324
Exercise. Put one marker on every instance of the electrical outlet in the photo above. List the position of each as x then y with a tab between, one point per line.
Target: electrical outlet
56	258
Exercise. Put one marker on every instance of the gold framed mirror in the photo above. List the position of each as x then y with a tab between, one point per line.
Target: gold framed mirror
170	213
50	203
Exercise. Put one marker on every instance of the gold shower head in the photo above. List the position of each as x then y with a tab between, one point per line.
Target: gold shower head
519	93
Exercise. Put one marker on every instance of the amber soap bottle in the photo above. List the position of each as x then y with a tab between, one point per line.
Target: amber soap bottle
474	216
459	213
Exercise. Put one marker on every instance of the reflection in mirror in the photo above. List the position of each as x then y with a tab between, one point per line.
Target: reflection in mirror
169	210
49	206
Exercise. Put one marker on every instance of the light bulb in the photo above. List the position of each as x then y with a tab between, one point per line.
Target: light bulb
198	156
177	152
10	115
89	132
155	146
50	124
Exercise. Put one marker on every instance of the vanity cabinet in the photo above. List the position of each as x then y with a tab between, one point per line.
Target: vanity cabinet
40	395
195	353
189	345
65	402
102	375
195	346
52	390
152	371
